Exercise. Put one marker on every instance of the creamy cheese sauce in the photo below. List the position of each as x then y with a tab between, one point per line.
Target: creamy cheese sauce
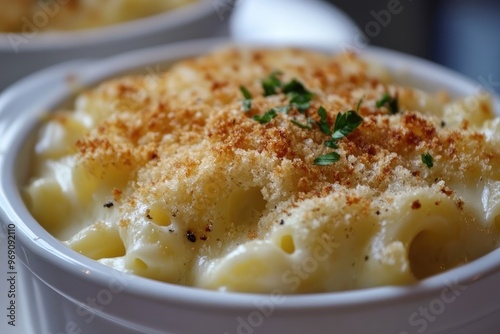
171	178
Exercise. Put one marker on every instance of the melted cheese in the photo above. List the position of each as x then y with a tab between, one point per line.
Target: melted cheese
167	177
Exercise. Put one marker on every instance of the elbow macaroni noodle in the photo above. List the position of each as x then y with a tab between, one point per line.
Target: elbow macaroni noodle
173	180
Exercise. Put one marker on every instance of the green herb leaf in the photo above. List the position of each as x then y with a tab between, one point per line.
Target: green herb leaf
300	125
271	83
345	124
294	86
327	159
323	124
428	160
299	96
383	100
247	102
331	143
301	102
246	93
390	102
268	116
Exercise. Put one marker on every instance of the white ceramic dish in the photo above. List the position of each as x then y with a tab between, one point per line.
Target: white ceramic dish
24	53
70	293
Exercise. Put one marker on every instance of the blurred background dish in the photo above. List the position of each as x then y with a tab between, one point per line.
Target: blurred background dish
78	14
35	46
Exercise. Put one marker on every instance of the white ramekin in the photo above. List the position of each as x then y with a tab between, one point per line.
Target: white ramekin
69	293
23	53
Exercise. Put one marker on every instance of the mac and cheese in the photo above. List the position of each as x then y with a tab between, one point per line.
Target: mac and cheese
220	173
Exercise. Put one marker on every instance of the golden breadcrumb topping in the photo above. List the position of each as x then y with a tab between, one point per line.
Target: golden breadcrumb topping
180	158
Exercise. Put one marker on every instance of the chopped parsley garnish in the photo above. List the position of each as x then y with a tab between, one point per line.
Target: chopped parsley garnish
301	102
294	86
271	83
268	116
344	125
247	102
323	124
302	126
428	160
390	102
299	96
331	144
327	159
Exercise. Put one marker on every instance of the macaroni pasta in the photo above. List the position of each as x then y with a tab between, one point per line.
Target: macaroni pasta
204	176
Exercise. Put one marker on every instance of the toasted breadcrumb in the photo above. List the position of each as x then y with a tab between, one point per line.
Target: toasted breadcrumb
183	142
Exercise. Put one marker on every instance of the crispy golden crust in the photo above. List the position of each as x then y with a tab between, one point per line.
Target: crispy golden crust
191	175
198	103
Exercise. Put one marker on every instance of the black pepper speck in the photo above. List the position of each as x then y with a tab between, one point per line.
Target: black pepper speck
191	236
